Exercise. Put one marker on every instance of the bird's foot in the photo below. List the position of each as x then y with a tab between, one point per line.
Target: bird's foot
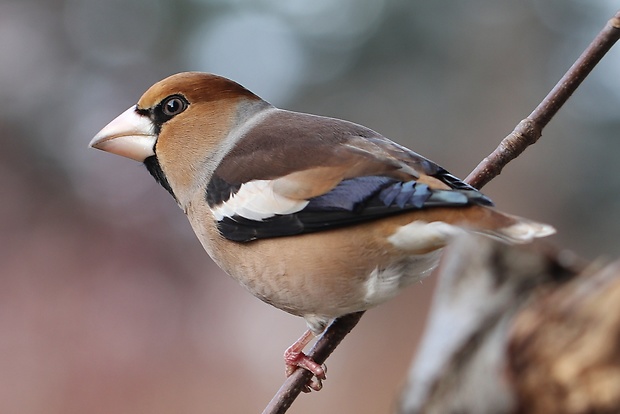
295	358
298	360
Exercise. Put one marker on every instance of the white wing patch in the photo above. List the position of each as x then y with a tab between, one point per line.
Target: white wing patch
256	200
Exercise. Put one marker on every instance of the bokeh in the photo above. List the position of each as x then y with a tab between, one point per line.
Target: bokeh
107	301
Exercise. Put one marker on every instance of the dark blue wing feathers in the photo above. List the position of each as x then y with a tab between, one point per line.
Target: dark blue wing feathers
349	194
353	201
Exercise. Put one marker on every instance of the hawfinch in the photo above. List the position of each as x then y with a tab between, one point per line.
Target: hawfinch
316	216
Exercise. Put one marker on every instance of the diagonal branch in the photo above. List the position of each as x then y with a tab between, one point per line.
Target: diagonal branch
525	134
530	129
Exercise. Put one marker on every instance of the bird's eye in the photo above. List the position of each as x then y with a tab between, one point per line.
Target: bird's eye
173	105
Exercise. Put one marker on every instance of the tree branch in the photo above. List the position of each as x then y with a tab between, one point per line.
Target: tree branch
530	129
525	134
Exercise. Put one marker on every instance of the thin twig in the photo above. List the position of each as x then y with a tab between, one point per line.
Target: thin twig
530	129
526	133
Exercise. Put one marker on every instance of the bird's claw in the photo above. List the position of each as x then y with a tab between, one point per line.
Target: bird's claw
301	360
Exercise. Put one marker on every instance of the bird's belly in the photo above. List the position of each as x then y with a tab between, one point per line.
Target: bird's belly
325	274
313	278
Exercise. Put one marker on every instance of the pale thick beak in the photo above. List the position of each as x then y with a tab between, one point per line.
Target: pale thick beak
130	135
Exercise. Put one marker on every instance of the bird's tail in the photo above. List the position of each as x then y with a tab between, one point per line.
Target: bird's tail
514	229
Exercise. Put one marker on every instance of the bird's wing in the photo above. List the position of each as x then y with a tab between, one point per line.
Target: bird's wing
313	173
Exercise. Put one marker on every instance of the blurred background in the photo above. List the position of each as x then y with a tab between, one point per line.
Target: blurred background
108	304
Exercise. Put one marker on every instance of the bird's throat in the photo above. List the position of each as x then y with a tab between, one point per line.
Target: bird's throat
152	164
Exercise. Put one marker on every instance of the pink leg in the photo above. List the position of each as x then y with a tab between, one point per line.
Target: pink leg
295	358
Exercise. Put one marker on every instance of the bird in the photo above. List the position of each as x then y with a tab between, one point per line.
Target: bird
317	216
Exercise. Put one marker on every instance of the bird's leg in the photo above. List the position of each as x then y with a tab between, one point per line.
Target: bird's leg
295	358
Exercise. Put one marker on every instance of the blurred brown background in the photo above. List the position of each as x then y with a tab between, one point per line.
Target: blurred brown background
108	303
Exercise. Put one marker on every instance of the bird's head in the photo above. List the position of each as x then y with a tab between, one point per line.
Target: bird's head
181	128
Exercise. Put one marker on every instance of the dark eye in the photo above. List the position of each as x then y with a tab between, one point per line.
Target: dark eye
173	105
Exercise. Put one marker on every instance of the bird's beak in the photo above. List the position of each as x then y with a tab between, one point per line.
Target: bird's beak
130	135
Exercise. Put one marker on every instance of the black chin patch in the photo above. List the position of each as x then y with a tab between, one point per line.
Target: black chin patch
152	164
